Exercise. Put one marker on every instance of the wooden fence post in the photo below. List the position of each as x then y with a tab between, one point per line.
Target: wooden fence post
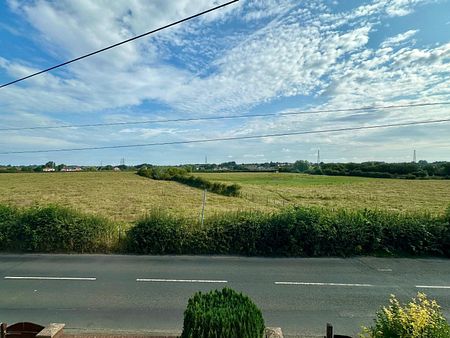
329	331
3	330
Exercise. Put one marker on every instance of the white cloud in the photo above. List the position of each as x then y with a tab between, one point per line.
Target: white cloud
398	39
272	50
402	7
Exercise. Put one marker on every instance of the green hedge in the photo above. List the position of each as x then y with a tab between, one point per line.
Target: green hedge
158	233
222	314
296	231
54	229
180	175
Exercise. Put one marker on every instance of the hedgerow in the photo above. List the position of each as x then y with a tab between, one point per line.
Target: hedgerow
181	175
54	229
291	232
297	231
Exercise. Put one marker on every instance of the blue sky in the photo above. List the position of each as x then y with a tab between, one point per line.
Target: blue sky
253	57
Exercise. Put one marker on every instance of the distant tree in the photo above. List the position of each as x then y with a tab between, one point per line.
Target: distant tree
446	168
301	166
49	164
26	169
90	168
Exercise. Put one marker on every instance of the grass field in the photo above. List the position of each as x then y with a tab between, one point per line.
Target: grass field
124	196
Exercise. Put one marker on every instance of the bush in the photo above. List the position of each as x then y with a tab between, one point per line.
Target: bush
54	229
222	314
421	318
296	231
291	232
158	233
8	220
236	233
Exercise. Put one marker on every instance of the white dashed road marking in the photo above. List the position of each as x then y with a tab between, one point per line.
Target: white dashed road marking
432	286
323	284
179	280
52	278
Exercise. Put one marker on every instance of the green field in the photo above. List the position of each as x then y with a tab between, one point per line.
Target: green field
124	196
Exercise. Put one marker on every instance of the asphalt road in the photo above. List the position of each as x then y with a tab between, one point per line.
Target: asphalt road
150	293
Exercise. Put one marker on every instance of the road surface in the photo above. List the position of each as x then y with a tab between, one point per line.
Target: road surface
150	293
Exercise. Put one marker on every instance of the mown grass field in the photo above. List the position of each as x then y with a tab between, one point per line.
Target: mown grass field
124	196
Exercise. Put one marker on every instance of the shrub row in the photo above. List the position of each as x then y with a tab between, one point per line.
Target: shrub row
54	229
295	232
180	175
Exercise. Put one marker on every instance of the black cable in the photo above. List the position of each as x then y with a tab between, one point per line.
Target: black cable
229	117
229	138
120	43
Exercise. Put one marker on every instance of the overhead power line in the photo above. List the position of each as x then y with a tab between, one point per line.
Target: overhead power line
229	138
228	117
120	43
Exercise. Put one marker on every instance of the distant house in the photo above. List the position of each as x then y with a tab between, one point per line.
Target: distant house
71	169
48	169
116	169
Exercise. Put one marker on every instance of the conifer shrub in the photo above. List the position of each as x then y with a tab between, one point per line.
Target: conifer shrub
222	314
421	318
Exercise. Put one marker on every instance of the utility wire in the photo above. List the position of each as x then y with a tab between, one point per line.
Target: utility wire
229	138
228	117
120	43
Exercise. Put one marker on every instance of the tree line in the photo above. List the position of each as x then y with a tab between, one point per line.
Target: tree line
406	170
419	170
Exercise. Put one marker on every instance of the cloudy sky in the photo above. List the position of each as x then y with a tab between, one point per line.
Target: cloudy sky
252	57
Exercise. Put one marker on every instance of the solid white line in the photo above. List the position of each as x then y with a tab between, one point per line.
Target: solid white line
52	278
322	284
432	287
180	280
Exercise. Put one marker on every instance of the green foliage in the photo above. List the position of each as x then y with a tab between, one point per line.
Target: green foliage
291	232
222	314
406	170
158	233
421	318
8	220
54	229
296	231
301	166
180	175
